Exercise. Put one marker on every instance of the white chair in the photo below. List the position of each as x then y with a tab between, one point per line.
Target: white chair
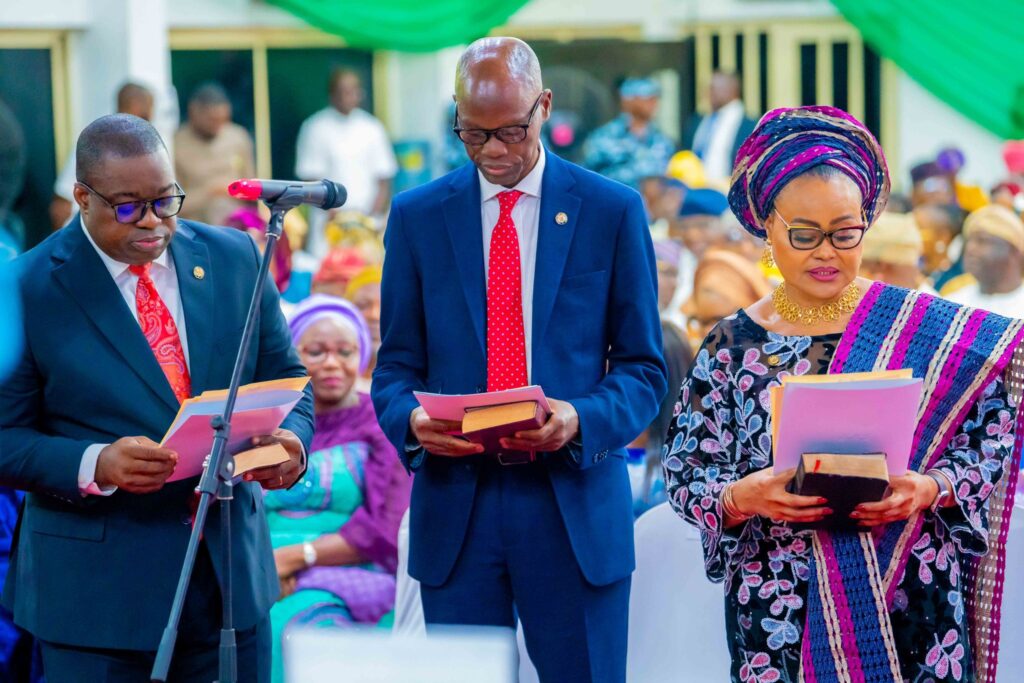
673	605
409	608
1011	654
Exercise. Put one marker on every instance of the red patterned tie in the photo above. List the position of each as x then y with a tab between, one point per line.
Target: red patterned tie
162	334
506	340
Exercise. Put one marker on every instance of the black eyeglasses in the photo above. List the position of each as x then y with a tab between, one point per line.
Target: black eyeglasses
133	212
806	238
510	135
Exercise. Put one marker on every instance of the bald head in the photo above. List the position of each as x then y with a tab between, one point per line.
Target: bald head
491	64
500	107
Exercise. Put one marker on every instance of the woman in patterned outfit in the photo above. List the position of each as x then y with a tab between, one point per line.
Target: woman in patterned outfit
910	598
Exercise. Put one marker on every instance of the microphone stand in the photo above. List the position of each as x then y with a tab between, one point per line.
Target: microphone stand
216	480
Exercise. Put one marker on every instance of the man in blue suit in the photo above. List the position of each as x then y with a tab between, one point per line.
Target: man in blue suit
102	535
522	268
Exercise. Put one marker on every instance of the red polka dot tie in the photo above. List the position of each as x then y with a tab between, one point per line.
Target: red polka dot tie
506	340
162	334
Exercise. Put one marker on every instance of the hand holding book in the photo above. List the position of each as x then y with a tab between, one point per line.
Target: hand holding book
763	493
909	493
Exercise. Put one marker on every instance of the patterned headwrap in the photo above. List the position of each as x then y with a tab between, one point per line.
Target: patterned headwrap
789	142
322	306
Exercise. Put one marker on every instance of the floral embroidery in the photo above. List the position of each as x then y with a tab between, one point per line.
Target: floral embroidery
722	432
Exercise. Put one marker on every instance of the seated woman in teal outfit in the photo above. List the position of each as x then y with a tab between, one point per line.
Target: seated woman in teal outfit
335	532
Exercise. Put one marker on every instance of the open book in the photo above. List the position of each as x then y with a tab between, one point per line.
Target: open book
259	409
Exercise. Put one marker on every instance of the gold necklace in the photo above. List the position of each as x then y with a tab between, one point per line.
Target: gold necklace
810	315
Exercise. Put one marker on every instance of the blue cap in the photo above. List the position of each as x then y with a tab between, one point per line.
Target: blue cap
639	87
703	202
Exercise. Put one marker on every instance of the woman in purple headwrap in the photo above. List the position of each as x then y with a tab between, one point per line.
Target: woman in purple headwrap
913	595
335	532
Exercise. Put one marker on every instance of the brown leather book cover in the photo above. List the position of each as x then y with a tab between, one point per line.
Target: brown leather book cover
489	424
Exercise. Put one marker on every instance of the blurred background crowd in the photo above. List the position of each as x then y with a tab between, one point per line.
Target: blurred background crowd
655	94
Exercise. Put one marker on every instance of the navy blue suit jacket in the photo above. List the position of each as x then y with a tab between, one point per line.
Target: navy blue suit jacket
101	571
596	343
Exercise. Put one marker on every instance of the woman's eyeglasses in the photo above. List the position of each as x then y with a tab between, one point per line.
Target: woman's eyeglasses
510	135
314	355
133	212
805	238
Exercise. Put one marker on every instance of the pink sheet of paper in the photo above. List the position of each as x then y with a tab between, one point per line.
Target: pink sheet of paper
452	407
821	418
193	436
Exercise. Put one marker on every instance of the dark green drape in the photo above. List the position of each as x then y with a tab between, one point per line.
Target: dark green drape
406	25
968	53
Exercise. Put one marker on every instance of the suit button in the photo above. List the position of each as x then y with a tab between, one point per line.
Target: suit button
479	388
186	520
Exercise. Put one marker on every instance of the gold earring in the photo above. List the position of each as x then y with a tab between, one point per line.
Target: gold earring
767	258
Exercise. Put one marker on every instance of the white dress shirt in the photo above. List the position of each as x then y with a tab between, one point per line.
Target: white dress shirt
1009	304
165	279
721	134
526	216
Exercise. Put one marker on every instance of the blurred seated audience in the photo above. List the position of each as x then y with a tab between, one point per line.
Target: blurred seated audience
931	185
723	283
210	151
364	292
968	197
697	227
663	197
678	358
940	226
994	255
893	250
1010	195
687	168
335	532
337	269
248	219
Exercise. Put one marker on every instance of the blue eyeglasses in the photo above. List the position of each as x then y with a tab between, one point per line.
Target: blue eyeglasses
133	212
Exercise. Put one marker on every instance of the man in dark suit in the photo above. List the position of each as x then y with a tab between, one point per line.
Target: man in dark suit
129	311
716	138
522	268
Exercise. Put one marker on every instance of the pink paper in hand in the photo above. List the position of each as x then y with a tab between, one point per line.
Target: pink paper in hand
840	419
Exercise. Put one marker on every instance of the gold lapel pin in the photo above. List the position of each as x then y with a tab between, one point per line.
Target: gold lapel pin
561	218
198	273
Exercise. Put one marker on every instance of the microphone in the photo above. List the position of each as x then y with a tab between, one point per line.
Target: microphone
321	193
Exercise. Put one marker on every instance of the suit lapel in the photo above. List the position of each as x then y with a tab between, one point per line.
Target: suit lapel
196	288
553	240
462	217
83	276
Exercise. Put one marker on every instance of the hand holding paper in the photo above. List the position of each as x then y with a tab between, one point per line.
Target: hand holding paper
135	464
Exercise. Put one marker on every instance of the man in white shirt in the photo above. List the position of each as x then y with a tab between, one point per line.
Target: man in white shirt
348	145
717	137
994	255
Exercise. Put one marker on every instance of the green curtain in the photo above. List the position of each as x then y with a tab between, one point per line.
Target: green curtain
406	25
968	53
